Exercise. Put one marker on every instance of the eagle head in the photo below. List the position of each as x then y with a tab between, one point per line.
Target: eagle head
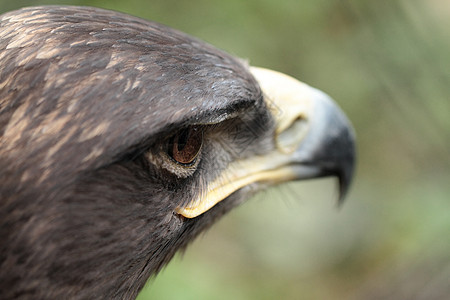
122	139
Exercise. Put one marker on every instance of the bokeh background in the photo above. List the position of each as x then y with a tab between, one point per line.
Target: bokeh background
387	63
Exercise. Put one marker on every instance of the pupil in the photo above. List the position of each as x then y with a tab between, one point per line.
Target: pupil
183	139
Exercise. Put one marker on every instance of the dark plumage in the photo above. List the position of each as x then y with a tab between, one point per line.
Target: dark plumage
101	118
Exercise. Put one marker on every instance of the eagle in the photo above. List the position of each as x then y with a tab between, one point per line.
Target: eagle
122	139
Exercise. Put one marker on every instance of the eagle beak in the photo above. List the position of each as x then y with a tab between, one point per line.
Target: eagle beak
312	137
310	127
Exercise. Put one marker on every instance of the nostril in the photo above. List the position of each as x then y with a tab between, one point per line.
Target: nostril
289	139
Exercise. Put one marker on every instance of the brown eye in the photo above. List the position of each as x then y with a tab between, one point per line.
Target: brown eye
185	145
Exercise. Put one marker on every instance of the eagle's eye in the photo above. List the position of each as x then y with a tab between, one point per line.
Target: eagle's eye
184	146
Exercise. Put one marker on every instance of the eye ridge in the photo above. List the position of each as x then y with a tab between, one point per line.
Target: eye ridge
184	146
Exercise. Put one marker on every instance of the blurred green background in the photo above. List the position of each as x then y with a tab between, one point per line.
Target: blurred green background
387	63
